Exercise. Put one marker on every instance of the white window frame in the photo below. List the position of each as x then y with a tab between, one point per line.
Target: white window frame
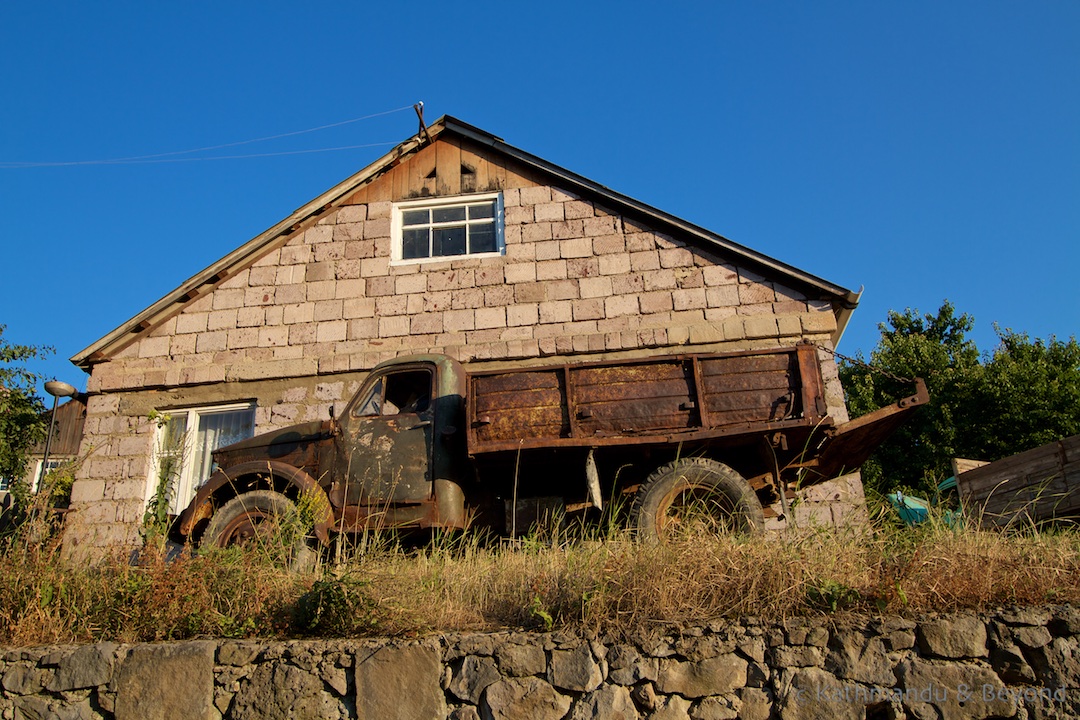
187	484
40	471
397	224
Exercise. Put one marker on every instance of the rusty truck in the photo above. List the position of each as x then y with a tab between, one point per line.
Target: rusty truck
427	443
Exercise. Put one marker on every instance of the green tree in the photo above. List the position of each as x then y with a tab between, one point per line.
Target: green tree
1024	394
1030	395
22	420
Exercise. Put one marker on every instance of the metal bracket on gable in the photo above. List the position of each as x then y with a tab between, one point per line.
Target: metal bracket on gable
419	108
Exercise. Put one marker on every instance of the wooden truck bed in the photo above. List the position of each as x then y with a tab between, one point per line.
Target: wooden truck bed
659	399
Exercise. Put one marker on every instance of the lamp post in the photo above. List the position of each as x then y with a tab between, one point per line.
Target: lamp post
57	389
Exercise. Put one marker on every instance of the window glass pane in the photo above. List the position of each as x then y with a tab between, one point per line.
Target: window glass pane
218	430
414	243
487	210
448	241
482	238
447	214
373	401
414	217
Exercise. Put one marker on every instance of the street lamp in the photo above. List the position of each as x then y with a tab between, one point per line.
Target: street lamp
57	389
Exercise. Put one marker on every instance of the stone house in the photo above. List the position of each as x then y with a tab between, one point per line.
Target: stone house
453	242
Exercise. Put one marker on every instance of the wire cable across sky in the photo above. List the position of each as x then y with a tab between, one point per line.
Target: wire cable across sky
171	156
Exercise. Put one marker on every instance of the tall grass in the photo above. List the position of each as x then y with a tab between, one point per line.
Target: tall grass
596	584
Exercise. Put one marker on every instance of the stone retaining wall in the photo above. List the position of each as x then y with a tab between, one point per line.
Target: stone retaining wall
1016	663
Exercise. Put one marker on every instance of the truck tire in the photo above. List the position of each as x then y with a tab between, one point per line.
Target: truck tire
695	494
264	521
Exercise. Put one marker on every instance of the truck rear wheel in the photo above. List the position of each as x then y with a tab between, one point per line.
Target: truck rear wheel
264	521
692	495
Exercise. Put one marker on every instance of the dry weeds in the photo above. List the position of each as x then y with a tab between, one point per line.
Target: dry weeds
608	585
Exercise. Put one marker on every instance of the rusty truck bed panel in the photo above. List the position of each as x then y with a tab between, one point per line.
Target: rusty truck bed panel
641	400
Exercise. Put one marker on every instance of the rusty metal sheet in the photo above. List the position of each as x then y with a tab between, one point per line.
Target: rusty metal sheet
847	446
750	391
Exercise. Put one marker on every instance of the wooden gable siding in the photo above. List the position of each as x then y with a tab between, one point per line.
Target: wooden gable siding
449	166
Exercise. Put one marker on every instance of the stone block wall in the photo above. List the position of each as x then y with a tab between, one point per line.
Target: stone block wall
575	279
1014	663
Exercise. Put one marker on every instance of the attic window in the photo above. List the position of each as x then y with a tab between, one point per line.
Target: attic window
448	227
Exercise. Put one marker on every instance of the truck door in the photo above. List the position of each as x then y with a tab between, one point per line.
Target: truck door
385	445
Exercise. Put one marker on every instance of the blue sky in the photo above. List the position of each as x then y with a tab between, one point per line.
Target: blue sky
922	150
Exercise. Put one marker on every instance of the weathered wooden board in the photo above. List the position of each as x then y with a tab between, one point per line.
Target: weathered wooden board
1034	486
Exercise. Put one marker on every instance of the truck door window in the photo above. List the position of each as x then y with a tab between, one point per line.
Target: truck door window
403	392
373	401
407	392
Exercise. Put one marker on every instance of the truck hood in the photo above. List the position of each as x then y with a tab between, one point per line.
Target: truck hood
275	444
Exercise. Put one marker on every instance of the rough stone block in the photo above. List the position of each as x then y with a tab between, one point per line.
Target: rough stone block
556	311
400	683
566	229
157	681
426	324
517	214
676	257
154	347
459	320
690	299
526	314
535	195
660	280
189	322
961	636
521	272
472	676
654	302
551	270
761	327
819	322
548	212
86	667
526	698
576	248
600	226
953	691
577	209
396	326
621	305
754	293
490	318
548	250
536	232
595	287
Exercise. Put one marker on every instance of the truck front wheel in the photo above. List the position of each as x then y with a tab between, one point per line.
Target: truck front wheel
692	495
264	521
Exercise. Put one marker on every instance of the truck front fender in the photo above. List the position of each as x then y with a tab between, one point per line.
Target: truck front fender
236	479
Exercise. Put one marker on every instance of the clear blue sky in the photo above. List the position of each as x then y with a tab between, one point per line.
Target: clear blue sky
924	150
